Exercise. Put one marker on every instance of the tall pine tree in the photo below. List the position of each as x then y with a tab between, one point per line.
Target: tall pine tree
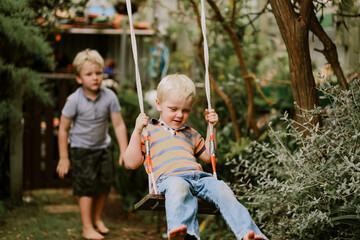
23	51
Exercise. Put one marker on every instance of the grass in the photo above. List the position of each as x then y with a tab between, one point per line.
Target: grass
53	214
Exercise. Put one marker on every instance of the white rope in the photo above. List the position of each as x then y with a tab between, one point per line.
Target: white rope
207	84
206	58
139	87
134	49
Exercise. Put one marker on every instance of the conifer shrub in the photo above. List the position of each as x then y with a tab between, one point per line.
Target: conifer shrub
24	51
307	187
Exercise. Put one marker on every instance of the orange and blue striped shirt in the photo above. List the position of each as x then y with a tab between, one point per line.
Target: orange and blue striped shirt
173	151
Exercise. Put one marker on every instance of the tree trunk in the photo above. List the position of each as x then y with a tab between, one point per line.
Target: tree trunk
294	30
329	51
16	148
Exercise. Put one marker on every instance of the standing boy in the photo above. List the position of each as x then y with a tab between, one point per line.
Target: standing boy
174	147
84	126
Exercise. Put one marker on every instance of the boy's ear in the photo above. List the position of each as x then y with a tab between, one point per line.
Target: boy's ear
158	106
78	79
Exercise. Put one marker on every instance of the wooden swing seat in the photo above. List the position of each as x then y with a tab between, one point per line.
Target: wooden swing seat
156	202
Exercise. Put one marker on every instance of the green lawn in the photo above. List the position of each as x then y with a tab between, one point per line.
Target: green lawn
54	214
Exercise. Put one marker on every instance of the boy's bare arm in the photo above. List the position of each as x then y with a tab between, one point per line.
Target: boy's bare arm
133	157
64	162
120	132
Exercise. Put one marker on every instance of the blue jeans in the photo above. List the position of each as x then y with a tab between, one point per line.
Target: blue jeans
181	192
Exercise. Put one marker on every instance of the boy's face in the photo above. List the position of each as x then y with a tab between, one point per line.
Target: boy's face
90	76
174	110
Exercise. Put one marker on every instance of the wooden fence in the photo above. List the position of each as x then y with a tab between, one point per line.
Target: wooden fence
40	135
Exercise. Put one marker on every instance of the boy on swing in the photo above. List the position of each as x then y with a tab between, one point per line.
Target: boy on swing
174	147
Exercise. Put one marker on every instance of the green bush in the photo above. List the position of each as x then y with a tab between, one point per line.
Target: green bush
23	51
307	187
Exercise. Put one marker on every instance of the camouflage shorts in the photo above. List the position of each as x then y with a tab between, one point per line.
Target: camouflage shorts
91	171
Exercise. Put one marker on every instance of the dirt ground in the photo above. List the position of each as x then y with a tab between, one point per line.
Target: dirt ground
53	214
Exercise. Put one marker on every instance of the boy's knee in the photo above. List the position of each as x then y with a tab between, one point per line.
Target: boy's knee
223	190
178	187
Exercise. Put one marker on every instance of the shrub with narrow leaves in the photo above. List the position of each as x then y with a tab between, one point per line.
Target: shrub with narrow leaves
307	187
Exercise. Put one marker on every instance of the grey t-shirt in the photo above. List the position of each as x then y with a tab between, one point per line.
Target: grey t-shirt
89	127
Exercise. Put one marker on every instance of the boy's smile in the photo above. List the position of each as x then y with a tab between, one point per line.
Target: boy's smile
174	110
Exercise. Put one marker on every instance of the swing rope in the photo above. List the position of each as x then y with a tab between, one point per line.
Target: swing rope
207	87
141	101
134	50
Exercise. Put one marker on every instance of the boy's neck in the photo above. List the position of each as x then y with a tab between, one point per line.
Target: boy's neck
91	94
165	126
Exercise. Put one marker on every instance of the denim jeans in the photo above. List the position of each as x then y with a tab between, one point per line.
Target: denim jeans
181	192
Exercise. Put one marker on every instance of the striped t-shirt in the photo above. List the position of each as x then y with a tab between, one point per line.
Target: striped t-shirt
173	151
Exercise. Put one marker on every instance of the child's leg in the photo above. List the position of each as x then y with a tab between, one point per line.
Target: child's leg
90	178
88	231
98	206
101	187
233	212
181	206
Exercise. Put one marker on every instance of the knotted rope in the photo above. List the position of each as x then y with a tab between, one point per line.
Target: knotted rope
141	101
207	86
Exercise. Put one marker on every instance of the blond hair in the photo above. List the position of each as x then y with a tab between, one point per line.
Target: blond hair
89	55
176	84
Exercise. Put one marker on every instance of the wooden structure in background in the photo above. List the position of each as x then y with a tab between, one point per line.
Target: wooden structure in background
40	136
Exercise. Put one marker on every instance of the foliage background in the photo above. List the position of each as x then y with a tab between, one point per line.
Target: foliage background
294	187
307	187
20	60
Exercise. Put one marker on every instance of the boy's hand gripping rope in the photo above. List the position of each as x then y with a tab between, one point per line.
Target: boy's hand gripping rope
207	88
141	102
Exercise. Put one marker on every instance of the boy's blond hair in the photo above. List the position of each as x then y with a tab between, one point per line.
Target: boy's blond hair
176	84
92	56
